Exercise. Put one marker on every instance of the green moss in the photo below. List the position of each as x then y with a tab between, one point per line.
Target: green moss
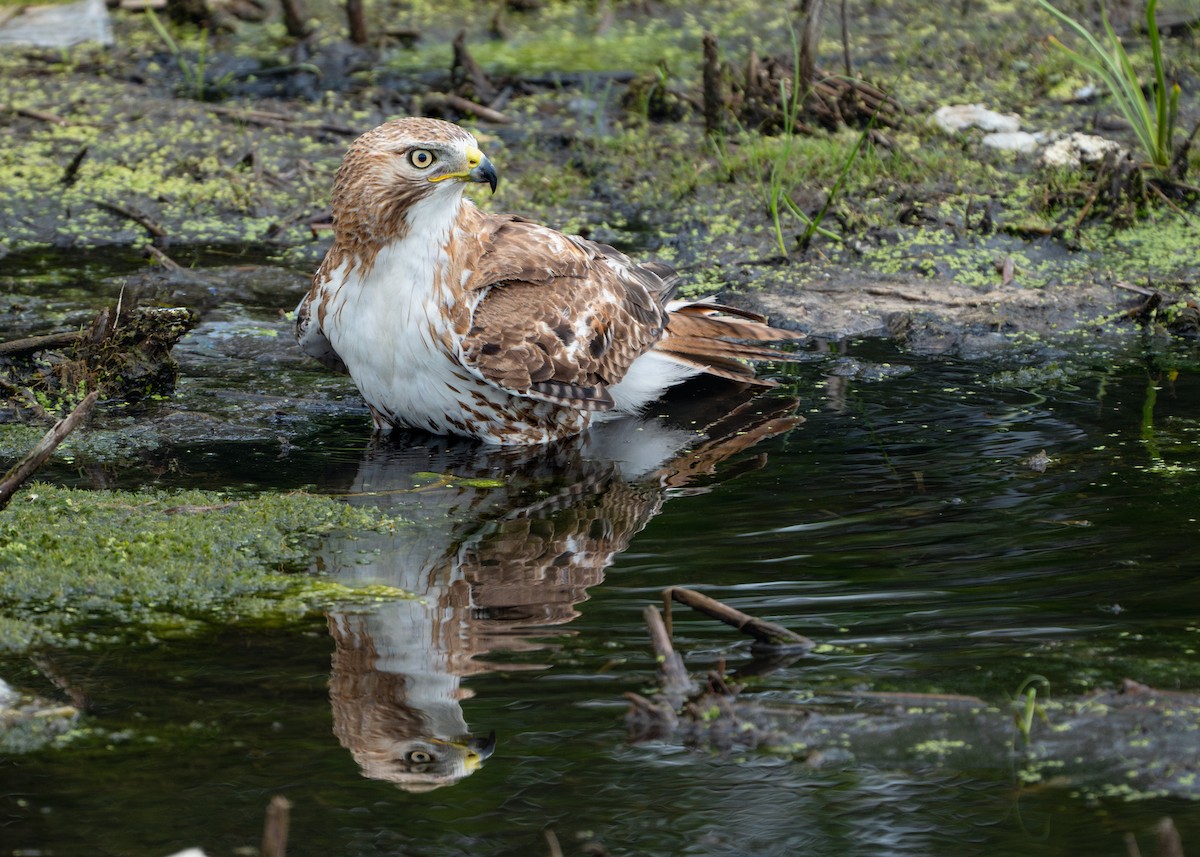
74	562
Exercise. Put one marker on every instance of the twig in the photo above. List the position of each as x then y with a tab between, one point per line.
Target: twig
71	173
156	230
271	119
37	456
30	344
1154	187
464	105
470	70
845	42
765	633
160	258
40	115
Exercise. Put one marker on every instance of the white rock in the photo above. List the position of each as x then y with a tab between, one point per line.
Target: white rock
958	117
1012	141
59	26
1076	149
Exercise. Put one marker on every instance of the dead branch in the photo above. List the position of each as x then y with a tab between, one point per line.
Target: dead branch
675	679
158	233
271	119
31	344
809	40
442	100
36	457
39	115
294	19
464	70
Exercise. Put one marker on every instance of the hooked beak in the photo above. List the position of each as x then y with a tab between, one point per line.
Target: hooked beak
479	169
485	173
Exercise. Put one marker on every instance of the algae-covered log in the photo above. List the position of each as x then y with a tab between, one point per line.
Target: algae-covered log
123	356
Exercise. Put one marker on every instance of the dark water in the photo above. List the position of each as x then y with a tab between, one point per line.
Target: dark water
902	523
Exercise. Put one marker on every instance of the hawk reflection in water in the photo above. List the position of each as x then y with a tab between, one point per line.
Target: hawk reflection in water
493	567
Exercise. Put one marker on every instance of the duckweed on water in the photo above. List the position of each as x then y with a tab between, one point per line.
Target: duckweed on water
122	560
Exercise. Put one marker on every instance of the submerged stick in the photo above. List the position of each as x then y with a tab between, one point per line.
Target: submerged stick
37	456
275	831
765	633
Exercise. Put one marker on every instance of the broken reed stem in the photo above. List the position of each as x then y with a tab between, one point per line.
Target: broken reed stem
294	19
714	104
675	679
275	830
356	18
809	39
36	457
465	105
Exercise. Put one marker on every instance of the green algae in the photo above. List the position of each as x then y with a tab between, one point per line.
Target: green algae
920	205
82	566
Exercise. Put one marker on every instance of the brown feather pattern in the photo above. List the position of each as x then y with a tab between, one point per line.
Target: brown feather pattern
562	318
525	328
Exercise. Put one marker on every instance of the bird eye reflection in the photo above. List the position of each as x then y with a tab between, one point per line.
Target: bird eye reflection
498	547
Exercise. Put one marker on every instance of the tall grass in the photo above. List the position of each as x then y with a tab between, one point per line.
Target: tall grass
1152	119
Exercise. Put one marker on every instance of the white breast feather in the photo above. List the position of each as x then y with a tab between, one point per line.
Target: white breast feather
386	325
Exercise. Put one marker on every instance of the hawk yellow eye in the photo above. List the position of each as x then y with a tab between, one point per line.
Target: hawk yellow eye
421	158
420	756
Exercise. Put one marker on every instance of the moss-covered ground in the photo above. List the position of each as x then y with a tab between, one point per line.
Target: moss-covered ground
81	566
917	204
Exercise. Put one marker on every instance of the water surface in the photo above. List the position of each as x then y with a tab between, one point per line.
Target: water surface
906	522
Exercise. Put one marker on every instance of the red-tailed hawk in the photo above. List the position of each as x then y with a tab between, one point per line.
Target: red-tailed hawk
487	325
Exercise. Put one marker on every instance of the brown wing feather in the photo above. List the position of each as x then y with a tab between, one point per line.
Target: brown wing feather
562	317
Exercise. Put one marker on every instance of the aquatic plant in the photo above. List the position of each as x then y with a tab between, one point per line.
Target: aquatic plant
1027	695
193	72
1152	119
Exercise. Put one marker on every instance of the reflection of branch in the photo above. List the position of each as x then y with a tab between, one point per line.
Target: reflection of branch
767	635
275	830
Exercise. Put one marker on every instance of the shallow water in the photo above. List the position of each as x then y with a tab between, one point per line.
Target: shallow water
902	523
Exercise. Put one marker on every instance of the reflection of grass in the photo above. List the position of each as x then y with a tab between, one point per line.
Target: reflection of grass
1152	121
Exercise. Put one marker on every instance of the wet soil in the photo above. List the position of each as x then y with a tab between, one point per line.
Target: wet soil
234	143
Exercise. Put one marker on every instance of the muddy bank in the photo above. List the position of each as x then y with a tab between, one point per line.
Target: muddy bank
931	237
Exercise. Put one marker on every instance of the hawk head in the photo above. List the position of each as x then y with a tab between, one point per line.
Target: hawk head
394	174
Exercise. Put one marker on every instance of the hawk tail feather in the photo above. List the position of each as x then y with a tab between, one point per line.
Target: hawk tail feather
722	341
